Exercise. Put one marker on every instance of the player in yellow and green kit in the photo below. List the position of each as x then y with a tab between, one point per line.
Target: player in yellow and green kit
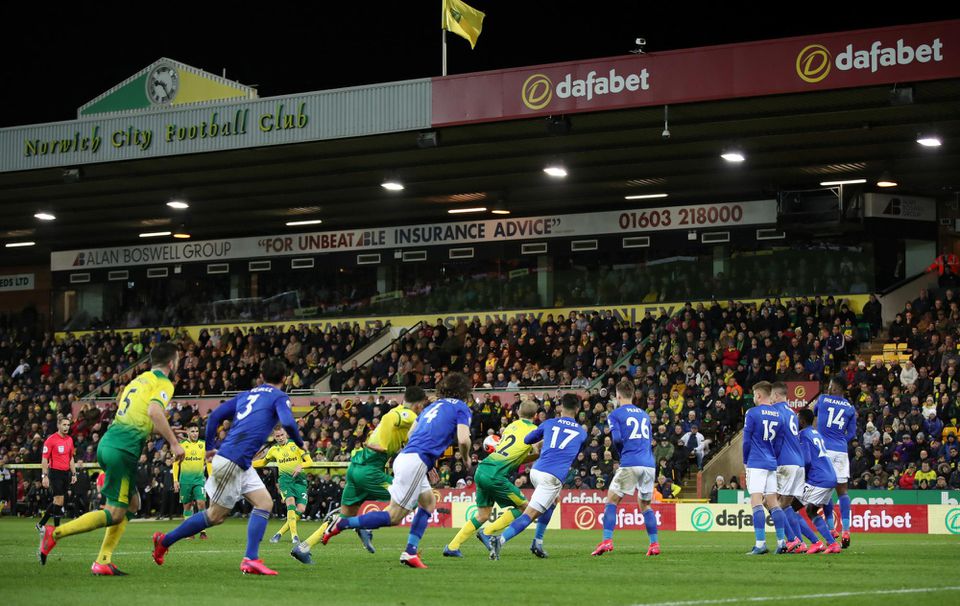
188	478
290	460
140	413
366	478
492	479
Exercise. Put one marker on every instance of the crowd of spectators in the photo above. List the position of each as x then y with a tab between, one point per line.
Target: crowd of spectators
692	368
42	378
908	410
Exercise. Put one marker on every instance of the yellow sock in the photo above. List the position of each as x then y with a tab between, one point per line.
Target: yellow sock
85	523
502	522
315	537
465	533
110	540
292	517
283	528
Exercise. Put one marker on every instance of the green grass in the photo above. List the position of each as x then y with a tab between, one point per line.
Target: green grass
693	567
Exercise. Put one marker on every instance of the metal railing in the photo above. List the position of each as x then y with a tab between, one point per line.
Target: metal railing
120	375
374	337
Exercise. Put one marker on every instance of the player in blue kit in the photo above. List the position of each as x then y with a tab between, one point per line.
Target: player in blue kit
820	481
562	439
630	432
837	423
253	415
761	425
790	473
440	423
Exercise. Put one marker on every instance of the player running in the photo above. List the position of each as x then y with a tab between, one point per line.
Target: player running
837	424
188	475
140	412
290	460
820	481
790	474
562	439
253	415
59	470
366	478
761	425
492	479
431	434
630	432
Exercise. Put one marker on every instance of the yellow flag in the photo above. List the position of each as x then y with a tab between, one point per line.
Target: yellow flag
463	20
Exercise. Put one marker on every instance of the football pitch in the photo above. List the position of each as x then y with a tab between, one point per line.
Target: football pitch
694	569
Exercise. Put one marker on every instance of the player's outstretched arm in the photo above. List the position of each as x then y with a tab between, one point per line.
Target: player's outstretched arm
161	426
226	410
463	440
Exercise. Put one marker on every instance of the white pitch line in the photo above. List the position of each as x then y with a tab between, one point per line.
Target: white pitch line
843	594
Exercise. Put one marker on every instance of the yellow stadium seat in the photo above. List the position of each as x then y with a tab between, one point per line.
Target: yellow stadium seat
889	347
901	346
876	358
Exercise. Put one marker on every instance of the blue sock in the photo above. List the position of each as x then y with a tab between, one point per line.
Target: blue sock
790	524
650	519
828	513
824	529
759	524
805	529
777	514
542	522
515	528
255	529
417	527
374	519
187	528
845	512
609	520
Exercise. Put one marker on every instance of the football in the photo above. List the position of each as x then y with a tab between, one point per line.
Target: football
490	443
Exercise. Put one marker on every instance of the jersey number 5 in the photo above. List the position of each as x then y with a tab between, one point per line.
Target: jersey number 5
126	402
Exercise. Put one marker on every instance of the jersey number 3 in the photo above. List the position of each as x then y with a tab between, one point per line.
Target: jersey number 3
249	407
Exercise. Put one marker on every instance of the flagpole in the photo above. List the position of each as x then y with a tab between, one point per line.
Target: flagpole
444	52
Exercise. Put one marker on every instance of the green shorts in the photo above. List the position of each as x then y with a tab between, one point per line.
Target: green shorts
191	489
120	468
365	483
494	486
295	488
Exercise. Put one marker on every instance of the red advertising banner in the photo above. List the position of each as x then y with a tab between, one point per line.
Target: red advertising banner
589	516
790	65
441	520
903	519
800	394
